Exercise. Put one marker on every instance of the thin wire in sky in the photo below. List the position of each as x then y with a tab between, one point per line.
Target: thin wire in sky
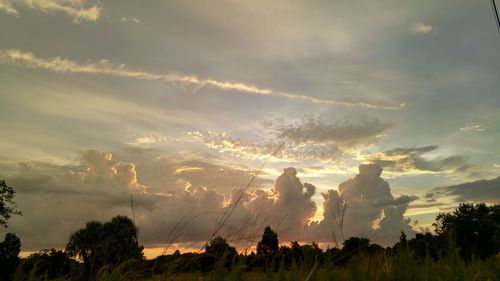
495	13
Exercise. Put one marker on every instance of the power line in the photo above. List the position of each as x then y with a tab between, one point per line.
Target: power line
495	13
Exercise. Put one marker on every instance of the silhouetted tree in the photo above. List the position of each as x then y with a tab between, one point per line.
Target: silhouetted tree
47	264
311	253
354	246
474	229
107	244
217	250
297	254
268	246
9	256
218	247
7	205
428	245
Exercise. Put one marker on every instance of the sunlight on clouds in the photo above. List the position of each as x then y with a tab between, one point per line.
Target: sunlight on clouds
421	28
131	19
188	169
105	67
224	143
474	128
73	8
6	5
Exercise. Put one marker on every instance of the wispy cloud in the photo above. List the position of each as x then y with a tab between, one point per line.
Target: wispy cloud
105	67
343	133
412	161
131	19
309	139
421	28
474	128
73	8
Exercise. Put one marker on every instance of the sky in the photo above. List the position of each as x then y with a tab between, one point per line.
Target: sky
385	109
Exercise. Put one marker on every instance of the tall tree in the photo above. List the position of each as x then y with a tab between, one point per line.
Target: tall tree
7	205
474	229
9	256
269	245
218	247
107	244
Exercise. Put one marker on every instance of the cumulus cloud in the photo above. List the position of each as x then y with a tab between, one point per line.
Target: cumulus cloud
421	28
370	208
105	67
100	188
294	202
191	207
411	161
187	211
77	9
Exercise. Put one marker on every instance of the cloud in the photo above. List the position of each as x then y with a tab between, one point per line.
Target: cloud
343	134
105	67
421	28
189	207
99	173
474	128
224	143
371	209
131	19
411	161
6	5
309	139
100	188
476	191
294	203
73	8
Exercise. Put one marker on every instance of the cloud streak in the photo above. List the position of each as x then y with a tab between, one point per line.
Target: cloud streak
411	161
105	67
74	9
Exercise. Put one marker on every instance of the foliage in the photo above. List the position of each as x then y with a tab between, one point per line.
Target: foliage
7	205
109	244
47	264
9	256
218	247
218	255
268	246
474	229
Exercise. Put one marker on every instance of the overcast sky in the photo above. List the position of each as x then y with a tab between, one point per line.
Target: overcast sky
180	102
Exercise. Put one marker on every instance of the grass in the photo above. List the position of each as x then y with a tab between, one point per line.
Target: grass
401	266
381	267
